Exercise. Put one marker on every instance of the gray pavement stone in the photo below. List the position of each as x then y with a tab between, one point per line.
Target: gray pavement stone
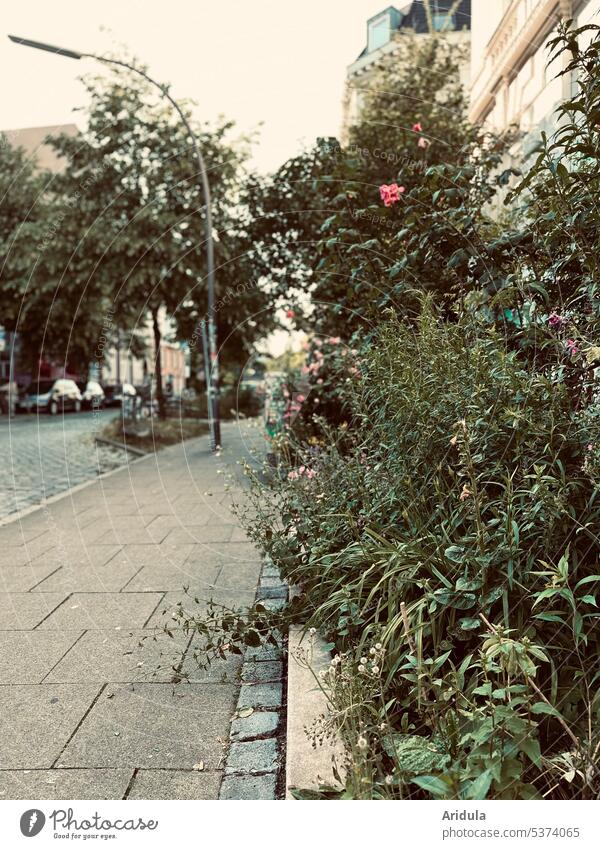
101	610
166	576
23	611
27	656
200	534
259	724
262	654
260	695
259	673
154	555
175	784
195	603
89	579
20	579
121	657
264	592
252	756
155	725
77	556
64	783
73	695
249	787
37	720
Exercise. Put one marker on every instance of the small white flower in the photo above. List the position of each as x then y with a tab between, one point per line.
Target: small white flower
378	646
375	670
362	743
323	673
312	632
389	779
364	660
371	651
361	668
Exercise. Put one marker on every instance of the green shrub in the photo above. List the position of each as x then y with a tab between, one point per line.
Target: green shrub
454	525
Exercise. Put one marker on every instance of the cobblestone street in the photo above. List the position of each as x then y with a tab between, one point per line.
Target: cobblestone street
44	455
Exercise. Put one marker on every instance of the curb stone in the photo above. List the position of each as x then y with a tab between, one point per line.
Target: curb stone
253	768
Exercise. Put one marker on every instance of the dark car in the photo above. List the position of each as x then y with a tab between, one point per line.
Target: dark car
92	394
115	393
50	396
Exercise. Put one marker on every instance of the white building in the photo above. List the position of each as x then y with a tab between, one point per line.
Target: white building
511	82
385	31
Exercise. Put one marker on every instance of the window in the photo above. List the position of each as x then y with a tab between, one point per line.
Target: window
443	21
379	33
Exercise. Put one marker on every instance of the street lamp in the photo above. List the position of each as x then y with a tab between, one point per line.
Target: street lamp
212	367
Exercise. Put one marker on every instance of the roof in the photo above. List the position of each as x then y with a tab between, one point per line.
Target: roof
32	140
413	16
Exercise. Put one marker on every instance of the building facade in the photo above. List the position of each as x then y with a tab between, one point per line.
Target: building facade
384	44
512	83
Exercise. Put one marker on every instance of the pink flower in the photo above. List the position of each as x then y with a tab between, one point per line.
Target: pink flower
293	476
334	340
556	321
320	381
423	142
290	313
300	398
572	346
391	194
417	128
310	474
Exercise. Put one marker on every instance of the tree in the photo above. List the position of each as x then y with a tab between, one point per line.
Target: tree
130	241
322	224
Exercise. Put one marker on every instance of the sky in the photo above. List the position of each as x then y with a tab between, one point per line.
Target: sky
277	62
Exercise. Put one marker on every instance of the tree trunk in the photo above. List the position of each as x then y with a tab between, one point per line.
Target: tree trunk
162	409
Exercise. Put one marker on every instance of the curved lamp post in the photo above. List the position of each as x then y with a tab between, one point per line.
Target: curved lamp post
212	367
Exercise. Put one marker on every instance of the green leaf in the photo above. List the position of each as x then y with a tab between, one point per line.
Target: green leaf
531	747
432	784
479	788
543	707
454	553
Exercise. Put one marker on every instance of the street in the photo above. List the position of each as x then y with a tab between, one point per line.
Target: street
44	455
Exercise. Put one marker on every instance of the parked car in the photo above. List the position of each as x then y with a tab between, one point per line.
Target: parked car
51	396
92	394
114	393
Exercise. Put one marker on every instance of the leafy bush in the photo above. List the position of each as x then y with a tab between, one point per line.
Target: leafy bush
452	533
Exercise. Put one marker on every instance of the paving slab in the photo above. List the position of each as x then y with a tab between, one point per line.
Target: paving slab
85	710
122	657
166	576
37	720
23	611
26	657
64	783
175	784
154	555
77	555
20	579
109	578
100	610
155	725
196	602
211	533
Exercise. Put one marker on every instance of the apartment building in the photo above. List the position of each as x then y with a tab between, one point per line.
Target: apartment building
384	43
511	80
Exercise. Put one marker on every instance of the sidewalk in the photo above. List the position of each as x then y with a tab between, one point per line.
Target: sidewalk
85	711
